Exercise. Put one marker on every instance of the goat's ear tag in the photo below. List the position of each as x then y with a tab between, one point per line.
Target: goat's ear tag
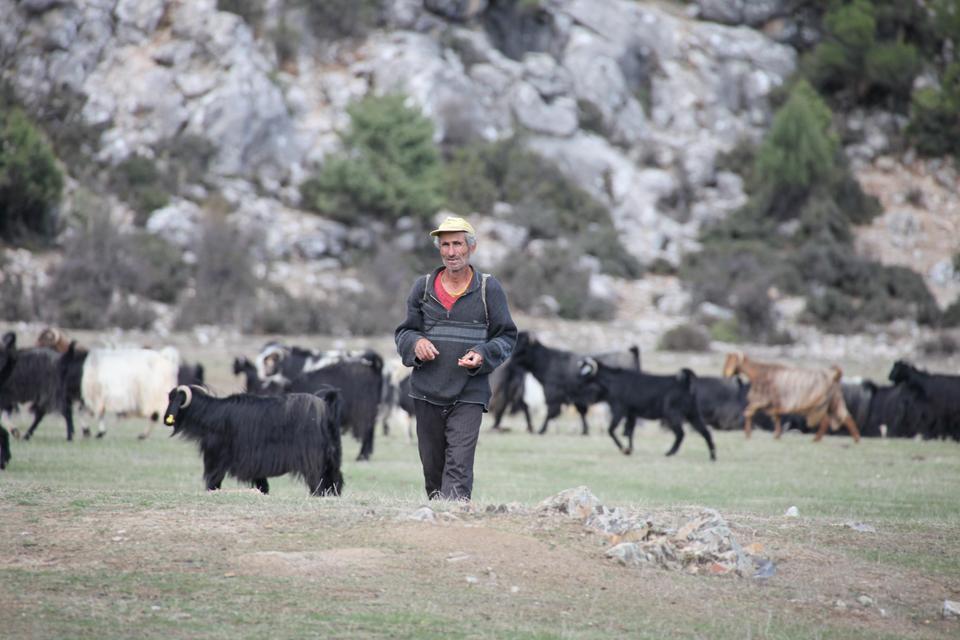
169	419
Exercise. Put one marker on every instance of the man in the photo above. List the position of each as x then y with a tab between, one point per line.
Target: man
458	329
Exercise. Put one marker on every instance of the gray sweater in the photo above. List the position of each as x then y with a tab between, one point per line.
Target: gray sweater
467	326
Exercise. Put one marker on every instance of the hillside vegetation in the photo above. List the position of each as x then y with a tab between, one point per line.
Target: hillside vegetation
169	212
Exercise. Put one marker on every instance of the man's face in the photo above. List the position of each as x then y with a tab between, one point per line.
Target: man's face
454	250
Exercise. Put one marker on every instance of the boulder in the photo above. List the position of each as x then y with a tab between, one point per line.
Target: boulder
556	118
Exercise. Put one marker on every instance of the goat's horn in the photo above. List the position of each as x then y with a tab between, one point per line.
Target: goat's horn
188	394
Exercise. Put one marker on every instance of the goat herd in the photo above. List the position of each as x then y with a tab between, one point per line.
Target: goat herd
297	402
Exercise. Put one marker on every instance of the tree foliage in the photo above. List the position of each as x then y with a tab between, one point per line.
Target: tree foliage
872	51
389	168
30	181
935	116
795	236
799	150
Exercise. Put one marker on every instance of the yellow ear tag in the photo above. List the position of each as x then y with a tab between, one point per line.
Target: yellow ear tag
169	419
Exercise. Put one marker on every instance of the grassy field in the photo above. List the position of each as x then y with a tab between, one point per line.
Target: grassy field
115	538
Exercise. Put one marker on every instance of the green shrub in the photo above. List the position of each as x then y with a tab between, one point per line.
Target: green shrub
941	344
30	182
18	300
545	201
156	268
872	51
726	331
836	62
685	337
951	315
225	286
891	68
286	41
390	167
946	20
846	291
799	150
935	116
590	117
556	274
101	268
139	182
252	11
334	19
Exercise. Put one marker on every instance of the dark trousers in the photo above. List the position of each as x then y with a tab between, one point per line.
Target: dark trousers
447	438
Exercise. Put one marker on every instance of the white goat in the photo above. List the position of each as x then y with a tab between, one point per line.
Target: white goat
129	381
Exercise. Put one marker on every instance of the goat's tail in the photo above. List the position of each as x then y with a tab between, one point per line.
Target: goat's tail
686	377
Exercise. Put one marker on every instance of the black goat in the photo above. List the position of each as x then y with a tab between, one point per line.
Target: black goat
252	383
280	363
257	437
934	399
721	401
632	395
889	412
506	393
359	384
8	360
189	374
38	379
558	372
397	395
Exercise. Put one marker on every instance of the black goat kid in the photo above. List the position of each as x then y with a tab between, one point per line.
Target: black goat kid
632	395
258	437
557	371
38	379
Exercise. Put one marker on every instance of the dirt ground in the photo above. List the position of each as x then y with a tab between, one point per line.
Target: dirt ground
541	568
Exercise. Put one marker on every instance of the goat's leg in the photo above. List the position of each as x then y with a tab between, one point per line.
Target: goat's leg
213	471
149	429
582	410
615	417
748	418
37	417
628	426
553	410
261	485
822	429
366	445
851	426
777	428
498	417
698	424
526	414
67	410
675	423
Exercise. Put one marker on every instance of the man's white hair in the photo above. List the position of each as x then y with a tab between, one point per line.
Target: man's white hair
471	239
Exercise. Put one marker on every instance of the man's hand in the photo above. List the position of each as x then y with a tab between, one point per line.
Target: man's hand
424	350
471	360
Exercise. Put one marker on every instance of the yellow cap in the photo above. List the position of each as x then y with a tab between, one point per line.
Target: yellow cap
453	223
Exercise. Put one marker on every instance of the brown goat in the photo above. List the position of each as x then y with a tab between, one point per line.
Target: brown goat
813	393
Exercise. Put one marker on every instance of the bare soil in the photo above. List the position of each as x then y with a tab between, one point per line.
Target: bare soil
523	565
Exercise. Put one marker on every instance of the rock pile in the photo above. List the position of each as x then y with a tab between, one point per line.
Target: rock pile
702	545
